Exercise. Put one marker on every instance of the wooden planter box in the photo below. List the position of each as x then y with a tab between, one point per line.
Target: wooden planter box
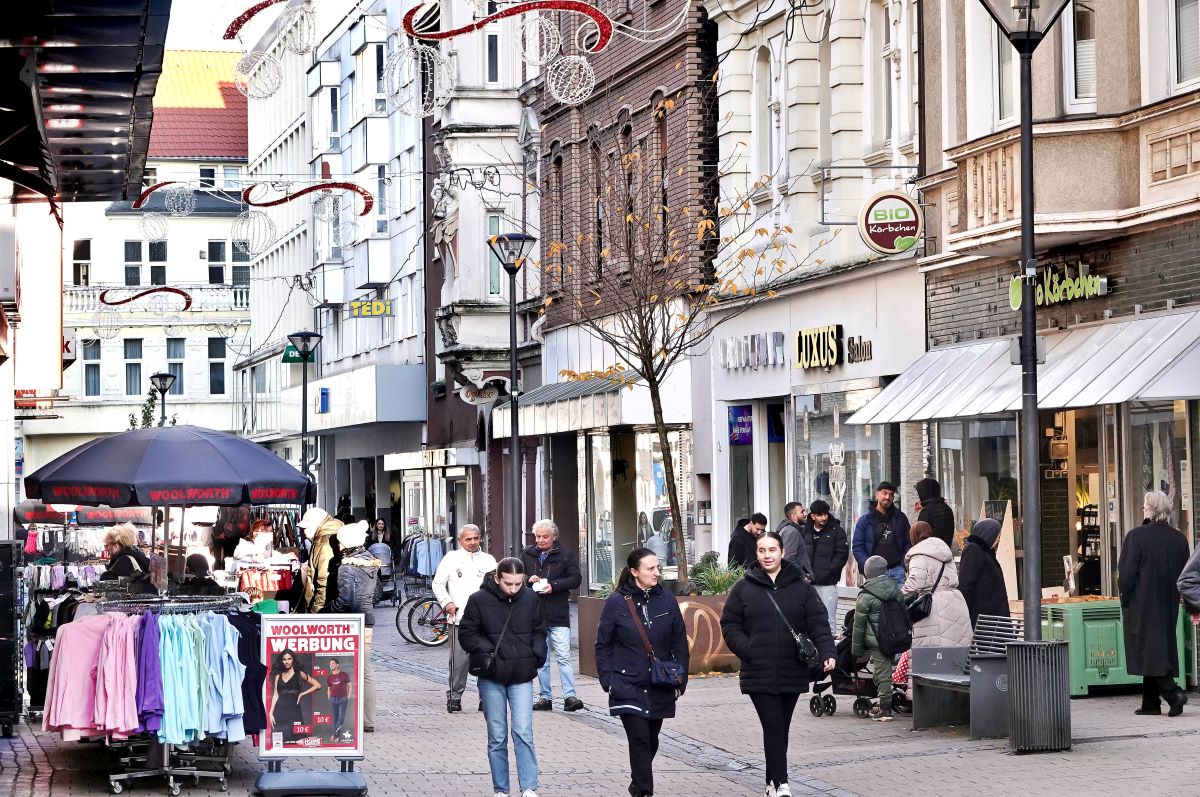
702	618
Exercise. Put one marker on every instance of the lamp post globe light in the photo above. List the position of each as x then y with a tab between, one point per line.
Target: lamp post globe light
1025	23
306	342
162	383
512	250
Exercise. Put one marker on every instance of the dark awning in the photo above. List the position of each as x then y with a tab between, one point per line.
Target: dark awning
77	82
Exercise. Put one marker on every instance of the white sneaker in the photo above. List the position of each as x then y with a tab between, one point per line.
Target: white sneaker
500	794
783	790
529	793
770	792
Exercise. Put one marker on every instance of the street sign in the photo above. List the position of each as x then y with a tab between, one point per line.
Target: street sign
479	395
290	355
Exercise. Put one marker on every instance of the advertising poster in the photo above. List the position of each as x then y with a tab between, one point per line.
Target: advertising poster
314	679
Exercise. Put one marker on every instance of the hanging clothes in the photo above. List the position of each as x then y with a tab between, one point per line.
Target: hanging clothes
71	689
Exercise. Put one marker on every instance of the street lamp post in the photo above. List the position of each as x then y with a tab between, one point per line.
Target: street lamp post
512	249
305	342
1025	23
162	382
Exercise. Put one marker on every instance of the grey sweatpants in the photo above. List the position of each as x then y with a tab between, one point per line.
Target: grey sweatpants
458	666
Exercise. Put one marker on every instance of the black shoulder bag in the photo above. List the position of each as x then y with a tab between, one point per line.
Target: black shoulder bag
483	665
921	606
666	674
806	651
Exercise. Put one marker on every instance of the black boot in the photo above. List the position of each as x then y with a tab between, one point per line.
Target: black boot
453	705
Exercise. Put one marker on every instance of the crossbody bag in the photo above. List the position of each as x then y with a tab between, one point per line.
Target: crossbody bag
665	674
806	651
483	665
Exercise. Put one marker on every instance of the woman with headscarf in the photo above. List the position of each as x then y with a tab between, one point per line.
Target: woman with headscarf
980	579
929	569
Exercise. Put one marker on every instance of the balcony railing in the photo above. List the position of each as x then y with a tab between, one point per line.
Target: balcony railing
204	297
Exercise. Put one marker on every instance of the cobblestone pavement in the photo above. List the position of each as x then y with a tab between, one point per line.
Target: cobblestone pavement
712	748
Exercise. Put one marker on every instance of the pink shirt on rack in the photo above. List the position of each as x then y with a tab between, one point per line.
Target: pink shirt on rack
71	686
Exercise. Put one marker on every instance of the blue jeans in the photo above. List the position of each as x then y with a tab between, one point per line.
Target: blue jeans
339	712
498	701
558	641
897	574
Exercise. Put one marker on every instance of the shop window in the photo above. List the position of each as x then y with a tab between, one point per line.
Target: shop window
601	531
741	462
977	463
656	529
1157	445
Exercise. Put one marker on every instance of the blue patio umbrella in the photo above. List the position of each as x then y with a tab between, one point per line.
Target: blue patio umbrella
169	466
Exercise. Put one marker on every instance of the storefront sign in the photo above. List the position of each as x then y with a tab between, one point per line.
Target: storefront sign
302	653
858	350
68	349
479	395
741	425
819	347
370	308
753	351
291	355
429	458
891	222
1059	287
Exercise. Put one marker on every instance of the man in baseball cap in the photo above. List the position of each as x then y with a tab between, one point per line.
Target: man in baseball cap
883	531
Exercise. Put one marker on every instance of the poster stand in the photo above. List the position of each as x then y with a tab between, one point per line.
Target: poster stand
315	661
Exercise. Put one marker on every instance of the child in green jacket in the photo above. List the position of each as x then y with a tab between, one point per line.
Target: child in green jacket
879	588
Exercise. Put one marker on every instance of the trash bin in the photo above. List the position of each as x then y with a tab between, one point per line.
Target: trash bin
1039	697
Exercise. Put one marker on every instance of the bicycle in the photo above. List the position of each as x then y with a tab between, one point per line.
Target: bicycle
428	623
403	613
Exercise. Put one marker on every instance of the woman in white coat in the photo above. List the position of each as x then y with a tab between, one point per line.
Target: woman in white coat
949	624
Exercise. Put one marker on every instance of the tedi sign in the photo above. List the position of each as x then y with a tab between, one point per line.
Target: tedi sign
1057	286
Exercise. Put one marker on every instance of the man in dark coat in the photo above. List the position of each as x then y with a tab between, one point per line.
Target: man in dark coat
980	577
795	546
744	539
883	531
935	511
828	550
1152	558
552	572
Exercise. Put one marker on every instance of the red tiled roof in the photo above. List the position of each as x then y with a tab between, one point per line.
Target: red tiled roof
198	112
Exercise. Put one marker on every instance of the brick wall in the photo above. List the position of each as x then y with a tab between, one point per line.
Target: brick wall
1147	269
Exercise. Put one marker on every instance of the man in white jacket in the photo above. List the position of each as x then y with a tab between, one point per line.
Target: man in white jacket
458	576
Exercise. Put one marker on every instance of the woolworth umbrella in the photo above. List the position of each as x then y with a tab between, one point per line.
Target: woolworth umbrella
169	466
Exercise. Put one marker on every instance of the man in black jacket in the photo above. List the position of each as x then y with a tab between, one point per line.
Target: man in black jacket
935	511
795	545
552	572
744	540
828	550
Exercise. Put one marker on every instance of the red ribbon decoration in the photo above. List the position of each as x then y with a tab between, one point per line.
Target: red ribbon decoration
596	15
368	200
235	27
141	200
187	297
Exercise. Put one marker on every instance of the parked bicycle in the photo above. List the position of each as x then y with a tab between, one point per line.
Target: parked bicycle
428	623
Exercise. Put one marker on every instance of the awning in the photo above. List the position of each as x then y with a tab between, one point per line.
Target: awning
590	404
1106	363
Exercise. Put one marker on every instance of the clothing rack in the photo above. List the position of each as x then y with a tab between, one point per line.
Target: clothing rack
173	605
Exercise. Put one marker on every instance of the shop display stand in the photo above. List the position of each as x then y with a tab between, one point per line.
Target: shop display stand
346	782
12	599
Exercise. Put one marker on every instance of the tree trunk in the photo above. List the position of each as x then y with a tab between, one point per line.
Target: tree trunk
677	519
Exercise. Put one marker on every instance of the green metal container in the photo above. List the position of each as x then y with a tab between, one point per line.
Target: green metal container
1096	643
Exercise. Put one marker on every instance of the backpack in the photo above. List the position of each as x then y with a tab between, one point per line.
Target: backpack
893	630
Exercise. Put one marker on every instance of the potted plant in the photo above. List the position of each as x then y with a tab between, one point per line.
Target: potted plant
708	583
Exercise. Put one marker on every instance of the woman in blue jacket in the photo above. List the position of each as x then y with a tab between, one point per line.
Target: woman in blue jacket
624	663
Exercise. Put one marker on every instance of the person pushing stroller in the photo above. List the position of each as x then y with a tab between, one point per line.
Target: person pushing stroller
868	616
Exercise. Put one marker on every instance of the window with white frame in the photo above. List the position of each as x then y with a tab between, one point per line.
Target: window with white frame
133	366
81	261
91	368
176	348
217	253
208	177
241	266
494	265
216	366
387	323
764	144
492	54
335	117
884	50
382	195
133	262
231	178
380	78
158	262
1079	56
1185	35
1004	76
409	179
406	323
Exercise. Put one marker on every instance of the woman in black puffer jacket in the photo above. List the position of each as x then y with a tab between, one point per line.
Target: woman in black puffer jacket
771	670
520	649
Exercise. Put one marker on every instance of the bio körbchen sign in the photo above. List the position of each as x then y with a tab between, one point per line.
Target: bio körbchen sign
1058	286
891	222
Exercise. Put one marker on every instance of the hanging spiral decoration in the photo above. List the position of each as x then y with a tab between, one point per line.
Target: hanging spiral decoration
154	227
540	41
418	80
324	205
253	232
571	79
106	324
258	75
301	26
180	200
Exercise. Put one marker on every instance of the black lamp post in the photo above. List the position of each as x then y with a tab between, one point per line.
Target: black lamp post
511	249
305	342
162	383
1025	23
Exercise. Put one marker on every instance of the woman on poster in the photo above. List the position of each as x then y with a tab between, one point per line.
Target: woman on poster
290	684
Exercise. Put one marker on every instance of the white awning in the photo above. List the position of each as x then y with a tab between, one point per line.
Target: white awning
1106	363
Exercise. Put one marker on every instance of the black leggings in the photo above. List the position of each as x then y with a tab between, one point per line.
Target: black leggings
775	714
642	734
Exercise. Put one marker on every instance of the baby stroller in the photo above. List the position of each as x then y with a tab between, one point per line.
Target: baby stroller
848	677
387	572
